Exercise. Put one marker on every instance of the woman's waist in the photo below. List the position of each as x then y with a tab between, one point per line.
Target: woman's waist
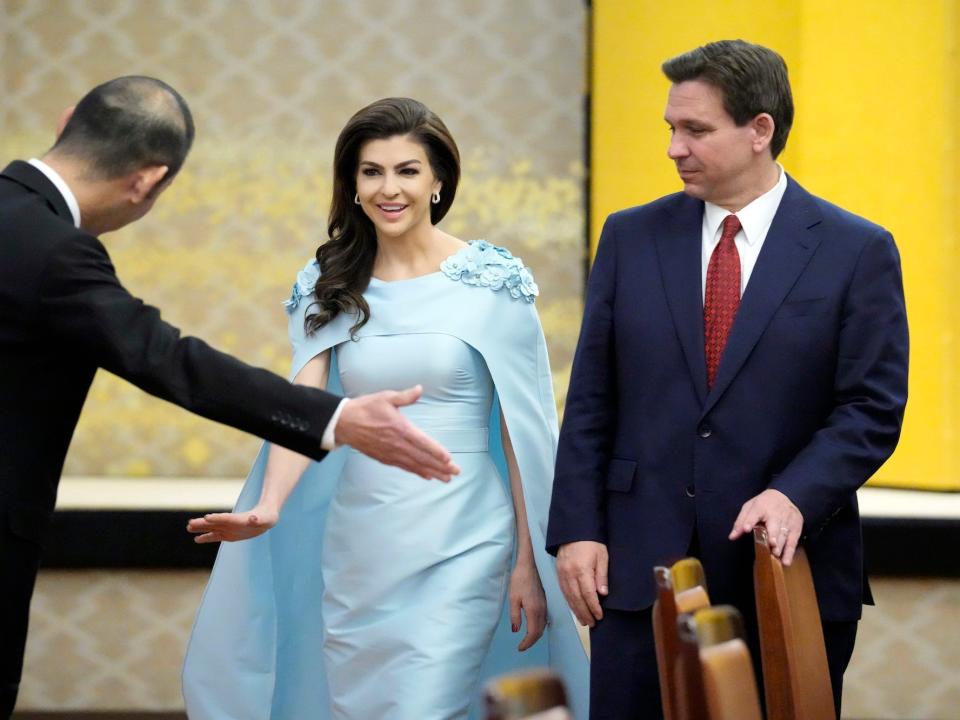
455	434
456	438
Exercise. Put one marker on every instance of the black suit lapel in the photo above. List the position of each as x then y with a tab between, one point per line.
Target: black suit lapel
31	178
678	249
786	251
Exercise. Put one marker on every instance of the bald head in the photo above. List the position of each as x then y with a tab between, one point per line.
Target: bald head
127	124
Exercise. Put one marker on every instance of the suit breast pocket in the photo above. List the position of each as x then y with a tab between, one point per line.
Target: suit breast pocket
802	308
620	474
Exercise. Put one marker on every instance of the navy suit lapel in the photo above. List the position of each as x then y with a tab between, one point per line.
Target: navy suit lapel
787	249
678	249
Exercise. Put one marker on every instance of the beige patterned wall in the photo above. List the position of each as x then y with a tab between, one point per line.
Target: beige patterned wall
103	640
270	85
115	640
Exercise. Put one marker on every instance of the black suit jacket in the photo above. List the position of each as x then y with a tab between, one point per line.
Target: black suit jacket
63	314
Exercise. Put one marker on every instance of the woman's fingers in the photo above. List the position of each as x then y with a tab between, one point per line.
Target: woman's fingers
536	624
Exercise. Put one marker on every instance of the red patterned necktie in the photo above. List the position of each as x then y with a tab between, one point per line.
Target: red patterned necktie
722	296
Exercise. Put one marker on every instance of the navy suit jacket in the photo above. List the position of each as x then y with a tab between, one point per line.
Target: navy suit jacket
808	399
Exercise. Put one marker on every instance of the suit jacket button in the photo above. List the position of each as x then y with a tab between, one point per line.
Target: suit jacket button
691	491
704	431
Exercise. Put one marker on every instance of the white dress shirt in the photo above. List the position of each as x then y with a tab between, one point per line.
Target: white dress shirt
327	441
61	185
755	220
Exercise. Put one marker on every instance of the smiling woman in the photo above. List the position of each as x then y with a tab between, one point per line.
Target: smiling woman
395	187
420	589
391	160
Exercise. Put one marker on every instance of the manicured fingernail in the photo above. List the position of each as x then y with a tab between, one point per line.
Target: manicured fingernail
603	589
515	628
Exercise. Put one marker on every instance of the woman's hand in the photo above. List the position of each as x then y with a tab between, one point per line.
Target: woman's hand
526	595
228	527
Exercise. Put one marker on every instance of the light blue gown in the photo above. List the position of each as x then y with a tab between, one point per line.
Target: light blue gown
380	595
415	573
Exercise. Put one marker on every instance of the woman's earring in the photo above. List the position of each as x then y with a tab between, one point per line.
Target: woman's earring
436	197
356	198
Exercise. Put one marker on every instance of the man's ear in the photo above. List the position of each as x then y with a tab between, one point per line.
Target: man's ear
144	180
64	119
763	126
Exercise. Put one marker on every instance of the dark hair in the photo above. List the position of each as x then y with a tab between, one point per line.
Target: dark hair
127	124
346	259
753	80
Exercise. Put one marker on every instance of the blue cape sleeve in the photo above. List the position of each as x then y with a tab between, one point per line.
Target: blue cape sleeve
514	348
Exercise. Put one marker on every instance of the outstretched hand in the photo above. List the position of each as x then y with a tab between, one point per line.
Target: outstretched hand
374	425
229	527
783	520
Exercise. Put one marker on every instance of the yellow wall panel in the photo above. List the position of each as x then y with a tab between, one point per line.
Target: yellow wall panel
877	131
878	140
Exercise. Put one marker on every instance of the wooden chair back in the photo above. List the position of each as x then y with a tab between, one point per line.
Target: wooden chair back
796	676
680	589
519	695
690	700
729	687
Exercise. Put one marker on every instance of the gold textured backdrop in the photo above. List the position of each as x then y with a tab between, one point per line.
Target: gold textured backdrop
270	85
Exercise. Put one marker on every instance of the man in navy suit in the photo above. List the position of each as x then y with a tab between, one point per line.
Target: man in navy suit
742	361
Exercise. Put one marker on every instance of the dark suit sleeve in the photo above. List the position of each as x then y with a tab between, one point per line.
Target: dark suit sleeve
84	308
577	508
870	390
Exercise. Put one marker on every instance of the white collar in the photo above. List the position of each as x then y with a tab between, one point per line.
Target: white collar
61	185
755	217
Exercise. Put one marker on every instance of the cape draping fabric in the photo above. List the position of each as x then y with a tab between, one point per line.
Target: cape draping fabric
256	647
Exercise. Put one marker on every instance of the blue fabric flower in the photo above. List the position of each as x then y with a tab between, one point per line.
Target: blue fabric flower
484	264
304	286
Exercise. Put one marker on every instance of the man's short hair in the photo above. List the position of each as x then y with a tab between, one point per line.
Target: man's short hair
753	80
127	124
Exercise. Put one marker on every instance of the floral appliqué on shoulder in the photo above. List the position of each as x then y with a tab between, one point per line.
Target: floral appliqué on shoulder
304	286
487	265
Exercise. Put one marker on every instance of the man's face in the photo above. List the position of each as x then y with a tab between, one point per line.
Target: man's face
714	157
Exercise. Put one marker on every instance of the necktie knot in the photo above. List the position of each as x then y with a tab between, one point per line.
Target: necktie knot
731	226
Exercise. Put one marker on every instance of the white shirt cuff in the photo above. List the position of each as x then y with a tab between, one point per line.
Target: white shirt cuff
329	441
